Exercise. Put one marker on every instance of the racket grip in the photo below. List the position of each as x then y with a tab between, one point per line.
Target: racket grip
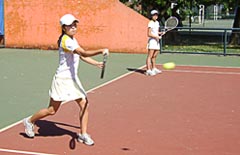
102	74
104	64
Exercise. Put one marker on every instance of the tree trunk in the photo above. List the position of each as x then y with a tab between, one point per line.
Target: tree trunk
235	37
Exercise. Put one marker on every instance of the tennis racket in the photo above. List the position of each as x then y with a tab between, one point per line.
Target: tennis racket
170	24
104	65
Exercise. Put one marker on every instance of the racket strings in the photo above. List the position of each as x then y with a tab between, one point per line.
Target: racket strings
171	23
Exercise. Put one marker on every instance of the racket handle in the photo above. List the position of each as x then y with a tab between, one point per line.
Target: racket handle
104	64
102	74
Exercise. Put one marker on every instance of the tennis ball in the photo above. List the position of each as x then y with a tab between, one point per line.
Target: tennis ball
169	65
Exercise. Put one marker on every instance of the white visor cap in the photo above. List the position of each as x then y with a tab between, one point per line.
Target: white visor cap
68	19
153	12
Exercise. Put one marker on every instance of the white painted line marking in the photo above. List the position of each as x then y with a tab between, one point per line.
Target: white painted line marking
203	72
207	66
24	152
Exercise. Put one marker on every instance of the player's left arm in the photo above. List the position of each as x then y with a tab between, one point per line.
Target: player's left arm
91	61
161	33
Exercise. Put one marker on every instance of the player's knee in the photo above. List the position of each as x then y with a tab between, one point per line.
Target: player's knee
154	57
83	103
51	111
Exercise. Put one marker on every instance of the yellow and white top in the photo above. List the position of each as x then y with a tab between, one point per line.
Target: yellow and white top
66	85
68	61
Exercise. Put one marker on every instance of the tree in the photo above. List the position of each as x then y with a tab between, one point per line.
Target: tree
164	6
185	6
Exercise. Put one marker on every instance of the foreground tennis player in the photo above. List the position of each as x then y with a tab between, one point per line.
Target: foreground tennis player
153	44
66	85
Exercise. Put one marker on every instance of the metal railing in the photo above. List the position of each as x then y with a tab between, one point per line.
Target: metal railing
211	37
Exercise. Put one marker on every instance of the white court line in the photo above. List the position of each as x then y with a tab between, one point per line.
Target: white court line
197	66
203	72
24	152
113	80
12	125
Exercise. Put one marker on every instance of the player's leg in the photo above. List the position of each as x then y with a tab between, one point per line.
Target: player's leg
149	59
154	57
83	114
29	122
51	110
83	136
149	62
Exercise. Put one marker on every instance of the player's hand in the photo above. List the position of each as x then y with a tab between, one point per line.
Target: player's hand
105	52
99	64
162	33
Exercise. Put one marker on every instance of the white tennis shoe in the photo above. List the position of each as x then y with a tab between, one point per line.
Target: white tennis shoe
150	73
85	138
29	128
156	71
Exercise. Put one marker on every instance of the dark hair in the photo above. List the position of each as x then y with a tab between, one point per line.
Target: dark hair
60	38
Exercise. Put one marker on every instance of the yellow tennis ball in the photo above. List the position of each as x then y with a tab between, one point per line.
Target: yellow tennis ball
169	65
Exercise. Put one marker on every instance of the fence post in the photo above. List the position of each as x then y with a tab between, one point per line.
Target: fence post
161	47
225	43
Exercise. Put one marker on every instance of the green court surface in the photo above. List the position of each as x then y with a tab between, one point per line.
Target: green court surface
26	76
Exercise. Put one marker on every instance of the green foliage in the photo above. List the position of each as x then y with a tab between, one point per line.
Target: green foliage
164	6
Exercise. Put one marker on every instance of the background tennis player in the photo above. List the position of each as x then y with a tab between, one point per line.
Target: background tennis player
153	44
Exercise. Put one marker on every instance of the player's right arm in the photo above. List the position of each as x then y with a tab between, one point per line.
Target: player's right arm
90	53
70	45
91	61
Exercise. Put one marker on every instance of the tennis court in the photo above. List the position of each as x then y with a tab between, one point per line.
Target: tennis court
193	109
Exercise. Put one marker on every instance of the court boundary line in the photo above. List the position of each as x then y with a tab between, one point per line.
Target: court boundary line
23	152
204	72
206	66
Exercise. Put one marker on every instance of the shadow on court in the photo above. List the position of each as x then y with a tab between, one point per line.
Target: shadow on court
50	129
141	71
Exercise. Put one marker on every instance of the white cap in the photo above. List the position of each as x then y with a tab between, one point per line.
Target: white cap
68	19
153	12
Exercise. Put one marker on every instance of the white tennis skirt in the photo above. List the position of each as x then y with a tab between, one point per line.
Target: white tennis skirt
153	44
66	89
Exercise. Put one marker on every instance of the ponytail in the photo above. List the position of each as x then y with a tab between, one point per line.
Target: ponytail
60	38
